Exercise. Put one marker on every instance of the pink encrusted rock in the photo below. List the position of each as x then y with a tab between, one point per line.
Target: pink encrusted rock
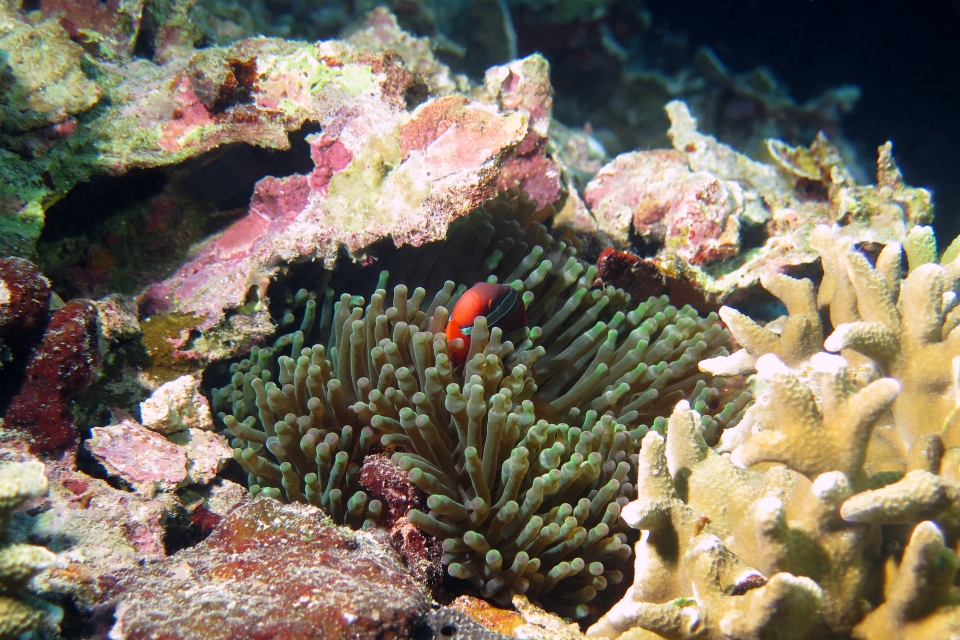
207	452
382	32
108	27
657	196
421	552
524	86
143	458
176	406
380	171
269	570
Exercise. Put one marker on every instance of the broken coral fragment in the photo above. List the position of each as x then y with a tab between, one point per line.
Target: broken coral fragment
381	32
151	462
143	458
175	406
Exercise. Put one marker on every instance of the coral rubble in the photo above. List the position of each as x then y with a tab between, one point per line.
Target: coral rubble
20	613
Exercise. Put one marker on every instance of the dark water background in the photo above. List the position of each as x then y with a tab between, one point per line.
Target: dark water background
904	55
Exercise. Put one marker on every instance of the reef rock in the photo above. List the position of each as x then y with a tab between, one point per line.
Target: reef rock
107	27
65	364
379	171
150	462
42	85
697	203
145	459
524	86
655	195
274	568
176	406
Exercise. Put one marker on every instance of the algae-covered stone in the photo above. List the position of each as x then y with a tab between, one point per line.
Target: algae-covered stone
40	72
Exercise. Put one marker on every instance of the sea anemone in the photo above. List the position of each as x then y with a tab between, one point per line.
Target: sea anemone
524	451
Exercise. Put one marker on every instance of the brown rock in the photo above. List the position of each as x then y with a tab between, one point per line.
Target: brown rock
421	552
270	570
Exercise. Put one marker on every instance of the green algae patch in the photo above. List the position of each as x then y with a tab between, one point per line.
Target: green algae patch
150	115
157	333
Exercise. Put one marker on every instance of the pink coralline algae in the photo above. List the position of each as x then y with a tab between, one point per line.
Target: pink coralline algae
657	195
269	570
145	459
63	366
152	463
380	171
108	27
524	86
691	202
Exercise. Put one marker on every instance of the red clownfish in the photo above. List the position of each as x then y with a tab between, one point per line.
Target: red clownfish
500	304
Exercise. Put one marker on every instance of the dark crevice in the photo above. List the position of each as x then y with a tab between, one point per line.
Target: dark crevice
144	46
761	306
226	176
752	236
90	204
89	465
118	234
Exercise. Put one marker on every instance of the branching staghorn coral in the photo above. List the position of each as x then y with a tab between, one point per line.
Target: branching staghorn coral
812	440
846	462
766	525
907	329
919	598
884	324
689	580
799	338
21	614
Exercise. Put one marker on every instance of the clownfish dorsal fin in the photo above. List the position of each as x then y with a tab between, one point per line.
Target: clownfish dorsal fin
502	309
